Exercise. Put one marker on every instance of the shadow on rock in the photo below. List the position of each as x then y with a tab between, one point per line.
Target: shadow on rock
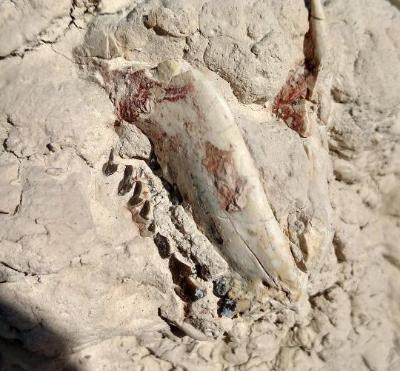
26	345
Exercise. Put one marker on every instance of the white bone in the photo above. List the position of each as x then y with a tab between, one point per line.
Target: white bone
318	26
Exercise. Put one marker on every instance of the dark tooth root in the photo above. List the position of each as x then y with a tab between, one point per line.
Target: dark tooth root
126	184
109	167
128	171
138	189
134	200
111	157
145	212
179	270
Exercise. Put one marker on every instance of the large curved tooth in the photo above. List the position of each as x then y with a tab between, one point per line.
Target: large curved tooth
200	147
323	60
317	10
318	27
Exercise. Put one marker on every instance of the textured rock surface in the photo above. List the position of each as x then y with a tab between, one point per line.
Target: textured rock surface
96	280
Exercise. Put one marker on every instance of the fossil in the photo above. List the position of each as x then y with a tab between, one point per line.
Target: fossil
319	33
323	59
110	167
201	152
309	83
139	203
126	183
200	149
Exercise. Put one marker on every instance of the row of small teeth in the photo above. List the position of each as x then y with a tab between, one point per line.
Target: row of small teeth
139	204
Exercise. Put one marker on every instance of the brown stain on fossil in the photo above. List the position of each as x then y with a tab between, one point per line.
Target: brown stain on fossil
288	104
140	92
230	186
137	99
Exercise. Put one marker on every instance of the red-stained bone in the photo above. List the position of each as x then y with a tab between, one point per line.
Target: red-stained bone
140	92
230	186
288	104
175	93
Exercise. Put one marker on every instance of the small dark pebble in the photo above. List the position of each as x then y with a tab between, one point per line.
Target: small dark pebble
227	308
126	184
221	287
198	294
192	289
50	147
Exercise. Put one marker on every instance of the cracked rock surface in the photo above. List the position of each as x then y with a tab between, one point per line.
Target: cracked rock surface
102	264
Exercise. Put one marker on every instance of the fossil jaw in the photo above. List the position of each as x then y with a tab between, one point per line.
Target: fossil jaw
201	150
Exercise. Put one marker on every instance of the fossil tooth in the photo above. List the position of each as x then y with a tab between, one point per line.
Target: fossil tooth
136	200
138	189
126	184
201	150
145	213
139	204
323	60
110	167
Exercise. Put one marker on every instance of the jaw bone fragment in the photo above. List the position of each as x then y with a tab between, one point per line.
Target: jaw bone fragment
201	150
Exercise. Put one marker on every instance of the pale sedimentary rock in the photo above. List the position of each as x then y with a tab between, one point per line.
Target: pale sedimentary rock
72	262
